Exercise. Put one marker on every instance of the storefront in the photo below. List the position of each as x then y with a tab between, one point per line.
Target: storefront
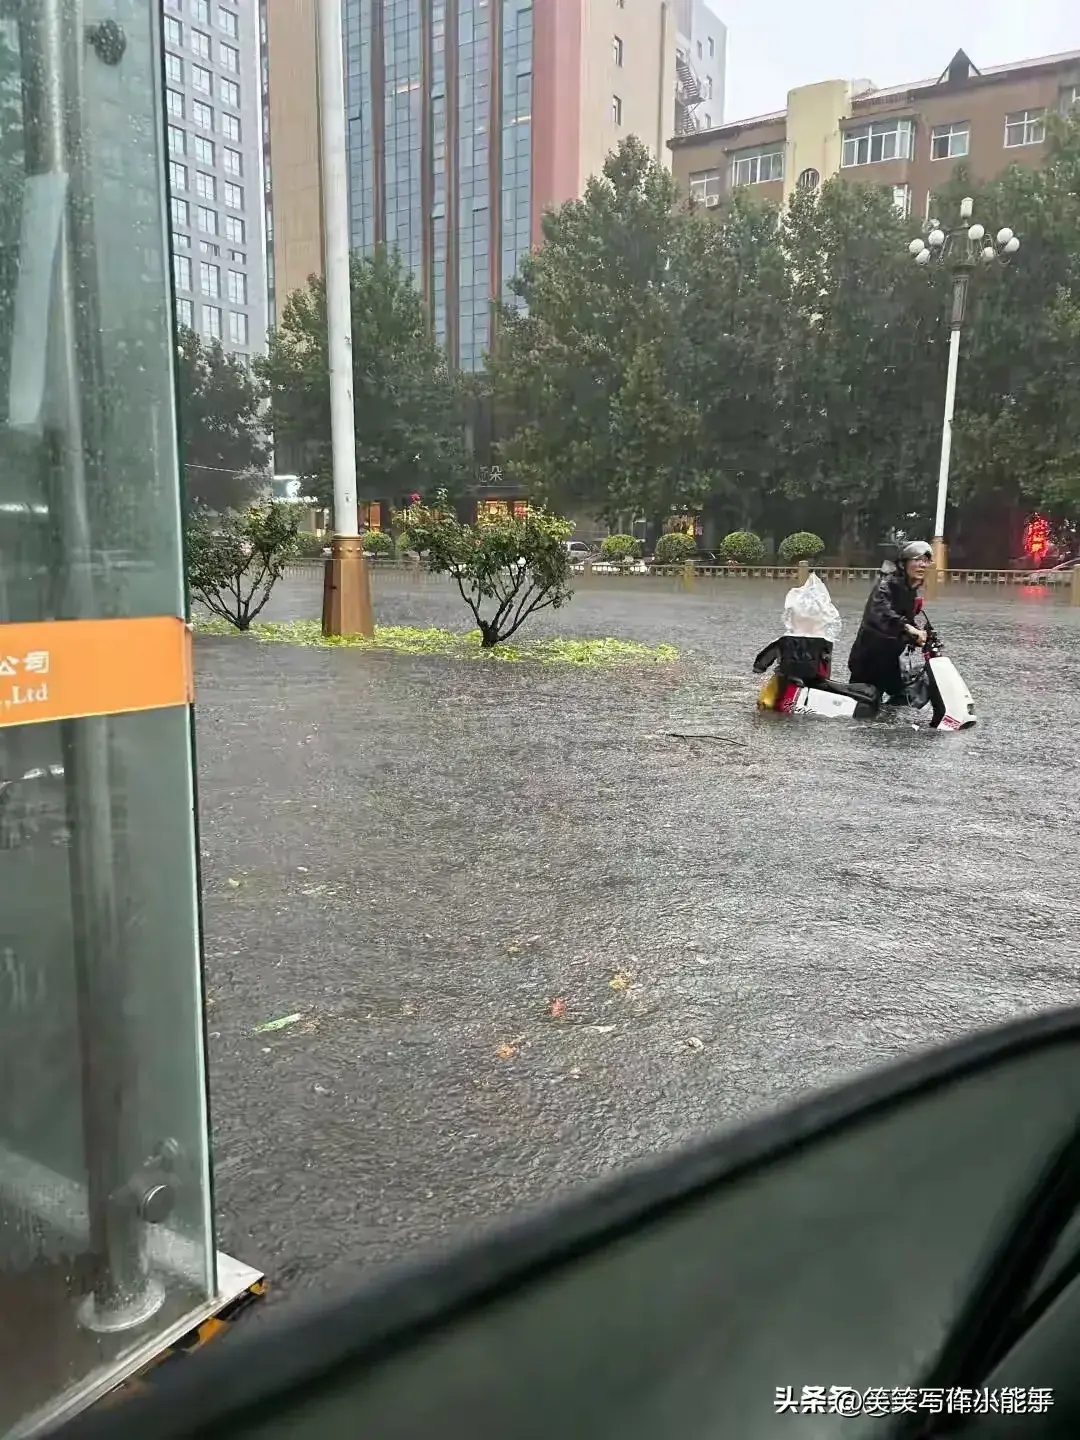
106	1234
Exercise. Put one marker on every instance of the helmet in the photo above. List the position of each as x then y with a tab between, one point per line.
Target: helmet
915	550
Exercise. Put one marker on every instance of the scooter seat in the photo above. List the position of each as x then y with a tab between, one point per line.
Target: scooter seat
866	694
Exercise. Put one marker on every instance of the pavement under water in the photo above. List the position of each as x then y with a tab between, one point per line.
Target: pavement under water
420	857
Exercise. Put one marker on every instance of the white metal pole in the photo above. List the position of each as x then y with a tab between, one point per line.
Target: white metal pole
335	198
946	433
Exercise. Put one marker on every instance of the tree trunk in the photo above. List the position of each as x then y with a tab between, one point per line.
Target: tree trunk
489	635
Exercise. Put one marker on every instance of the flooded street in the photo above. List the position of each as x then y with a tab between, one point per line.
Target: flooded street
421	858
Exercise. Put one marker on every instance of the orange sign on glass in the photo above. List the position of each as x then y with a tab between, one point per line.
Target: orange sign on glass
64	669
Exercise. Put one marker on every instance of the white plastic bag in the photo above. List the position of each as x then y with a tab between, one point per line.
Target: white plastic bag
809	610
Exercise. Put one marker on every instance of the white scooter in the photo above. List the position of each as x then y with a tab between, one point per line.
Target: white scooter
801	683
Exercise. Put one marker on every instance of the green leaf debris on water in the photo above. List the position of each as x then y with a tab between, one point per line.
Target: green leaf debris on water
417	640
280	1024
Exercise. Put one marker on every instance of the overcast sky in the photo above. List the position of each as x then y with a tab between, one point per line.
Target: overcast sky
774	45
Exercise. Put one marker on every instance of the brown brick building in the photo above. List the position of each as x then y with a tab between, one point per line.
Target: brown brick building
907	137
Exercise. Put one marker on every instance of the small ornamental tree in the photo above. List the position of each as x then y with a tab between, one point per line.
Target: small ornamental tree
375	542
508	566
674	548
618	549
233	564
803	545
743	547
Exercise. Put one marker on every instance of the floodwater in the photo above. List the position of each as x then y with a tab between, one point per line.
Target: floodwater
420	857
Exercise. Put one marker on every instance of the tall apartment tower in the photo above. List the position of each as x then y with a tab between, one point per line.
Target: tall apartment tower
466	120
700	67
214	102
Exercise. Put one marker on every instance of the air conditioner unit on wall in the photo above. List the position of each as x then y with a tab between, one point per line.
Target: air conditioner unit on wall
711	202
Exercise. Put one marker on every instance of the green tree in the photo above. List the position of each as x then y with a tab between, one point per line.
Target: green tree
859	394
589	368
234	564
510	566
1017	428
223	443
409	410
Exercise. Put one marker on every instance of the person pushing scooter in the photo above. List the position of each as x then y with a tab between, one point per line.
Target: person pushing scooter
891	622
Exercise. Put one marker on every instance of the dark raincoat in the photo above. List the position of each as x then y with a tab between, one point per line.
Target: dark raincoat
882	638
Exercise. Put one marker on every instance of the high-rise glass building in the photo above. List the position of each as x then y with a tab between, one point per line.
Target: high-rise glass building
466	120
439	99
213	100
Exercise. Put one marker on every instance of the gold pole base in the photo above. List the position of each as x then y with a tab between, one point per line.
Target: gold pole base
347	590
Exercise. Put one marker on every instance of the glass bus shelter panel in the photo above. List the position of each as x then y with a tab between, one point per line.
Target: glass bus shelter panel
106	1242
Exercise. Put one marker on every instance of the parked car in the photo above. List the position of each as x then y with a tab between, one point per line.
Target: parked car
579	551
1056	575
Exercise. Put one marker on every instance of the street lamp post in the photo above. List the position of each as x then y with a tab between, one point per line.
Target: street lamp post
346	586
962	250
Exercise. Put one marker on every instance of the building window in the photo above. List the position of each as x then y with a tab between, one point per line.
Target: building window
178	175
229	92
177	141
237	287
200	43
230	58
234	162
174	31
757	167
883	140
238	328
700	52
201	79
207	220
234	195
211	319
209	280
1025	127
201	10
184	313
708	120
181	215
616	50
950	142
712	47
202	114
205	186
202	149
230	127
901	199
228	22
174	69
705	186
238	258
809	180
181	265
234	229
181	242
205	248
174	103
1070	97
616	110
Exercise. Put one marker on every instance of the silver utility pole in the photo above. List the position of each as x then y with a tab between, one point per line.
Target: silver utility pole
346	592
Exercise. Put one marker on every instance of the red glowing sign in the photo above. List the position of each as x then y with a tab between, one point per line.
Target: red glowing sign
1037	537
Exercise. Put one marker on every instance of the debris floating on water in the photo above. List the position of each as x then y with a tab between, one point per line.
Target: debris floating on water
280	1024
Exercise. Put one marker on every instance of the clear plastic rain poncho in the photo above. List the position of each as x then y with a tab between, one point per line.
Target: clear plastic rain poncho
809	611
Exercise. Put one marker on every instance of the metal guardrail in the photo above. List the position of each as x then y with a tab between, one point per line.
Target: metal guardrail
831	574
